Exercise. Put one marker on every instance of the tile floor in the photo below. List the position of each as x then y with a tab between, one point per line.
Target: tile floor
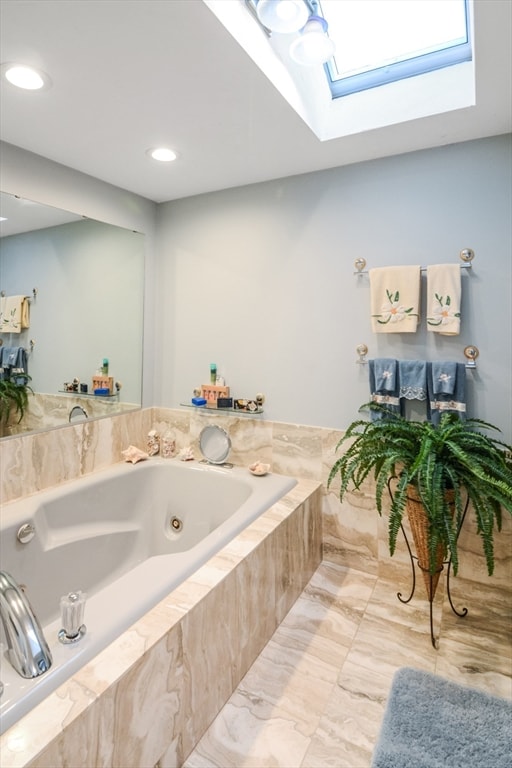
316	695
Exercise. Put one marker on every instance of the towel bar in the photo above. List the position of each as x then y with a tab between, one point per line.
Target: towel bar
34	294
466	255
470	353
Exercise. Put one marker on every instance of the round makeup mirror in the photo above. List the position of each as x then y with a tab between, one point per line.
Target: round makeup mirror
214	444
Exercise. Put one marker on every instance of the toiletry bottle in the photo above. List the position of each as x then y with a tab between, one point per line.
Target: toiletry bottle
213	373
104	367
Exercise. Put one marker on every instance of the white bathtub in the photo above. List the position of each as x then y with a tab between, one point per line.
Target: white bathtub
110	535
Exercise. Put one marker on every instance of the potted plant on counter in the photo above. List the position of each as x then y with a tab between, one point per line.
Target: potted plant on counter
432	472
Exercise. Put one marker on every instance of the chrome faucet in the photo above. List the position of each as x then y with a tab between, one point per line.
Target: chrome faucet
77	411
27	649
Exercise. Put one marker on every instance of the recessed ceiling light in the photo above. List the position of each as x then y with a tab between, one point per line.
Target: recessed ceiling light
162	154
28	78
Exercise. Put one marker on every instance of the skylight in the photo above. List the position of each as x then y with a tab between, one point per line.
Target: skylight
417	81
381	41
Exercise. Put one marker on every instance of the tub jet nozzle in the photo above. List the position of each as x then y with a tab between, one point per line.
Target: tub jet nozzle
72	607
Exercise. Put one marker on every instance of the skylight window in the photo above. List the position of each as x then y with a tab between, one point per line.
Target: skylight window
380	41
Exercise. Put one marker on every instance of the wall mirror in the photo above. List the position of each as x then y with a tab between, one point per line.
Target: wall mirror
84	280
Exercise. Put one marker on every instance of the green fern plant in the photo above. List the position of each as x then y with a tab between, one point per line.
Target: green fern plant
14	393
454	456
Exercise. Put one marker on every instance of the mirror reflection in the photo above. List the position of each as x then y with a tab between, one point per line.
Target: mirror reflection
80	283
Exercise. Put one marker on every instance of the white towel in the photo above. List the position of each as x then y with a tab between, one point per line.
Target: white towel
395	299
443	299
14	314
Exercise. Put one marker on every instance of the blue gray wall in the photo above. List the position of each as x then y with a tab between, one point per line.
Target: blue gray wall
259	279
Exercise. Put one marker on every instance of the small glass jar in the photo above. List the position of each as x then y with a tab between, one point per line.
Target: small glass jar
168	445
153	442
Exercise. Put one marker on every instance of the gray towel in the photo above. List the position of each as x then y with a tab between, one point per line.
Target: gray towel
384	374
13	360
5	370
444	378
384	387
412	375
440	402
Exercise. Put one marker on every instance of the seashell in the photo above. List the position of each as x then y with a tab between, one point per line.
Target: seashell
258	468
153	442
134	454
186	454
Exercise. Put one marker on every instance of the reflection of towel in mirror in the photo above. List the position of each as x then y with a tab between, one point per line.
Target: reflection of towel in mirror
413	379
446	390
443	299
384	388
13	360
395	299
14	314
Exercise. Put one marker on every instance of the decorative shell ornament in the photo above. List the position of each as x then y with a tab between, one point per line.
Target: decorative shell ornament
134	454
186	454
259	469
153	442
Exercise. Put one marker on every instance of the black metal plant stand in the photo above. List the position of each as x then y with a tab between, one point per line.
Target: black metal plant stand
448	562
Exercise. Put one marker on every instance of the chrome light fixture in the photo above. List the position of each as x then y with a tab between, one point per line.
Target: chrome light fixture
313	46
282	15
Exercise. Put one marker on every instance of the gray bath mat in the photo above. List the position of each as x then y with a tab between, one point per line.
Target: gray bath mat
433	723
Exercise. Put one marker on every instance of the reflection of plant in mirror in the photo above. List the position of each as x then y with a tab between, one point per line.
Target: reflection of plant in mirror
14	393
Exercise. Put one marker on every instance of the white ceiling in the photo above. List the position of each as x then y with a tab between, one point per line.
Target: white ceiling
138	73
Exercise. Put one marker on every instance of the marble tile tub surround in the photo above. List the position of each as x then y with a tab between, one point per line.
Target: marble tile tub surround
353	535
31	463
48	411
148	698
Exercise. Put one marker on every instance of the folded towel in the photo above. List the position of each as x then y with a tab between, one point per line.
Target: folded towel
413	379
395	299
384	374
13	360
439	399
443	299
444	378
14	314
9	357
383	380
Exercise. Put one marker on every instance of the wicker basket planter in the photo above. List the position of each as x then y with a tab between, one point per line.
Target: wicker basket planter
420	529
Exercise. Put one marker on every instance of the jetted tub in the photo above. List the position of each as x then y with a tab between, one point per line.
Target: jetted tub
127	536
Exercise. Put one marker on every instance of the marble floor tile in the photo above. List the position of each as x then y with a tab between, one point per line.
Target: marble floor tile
280	678
468	665
316	695
250	733
349	727
325	618
384	646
